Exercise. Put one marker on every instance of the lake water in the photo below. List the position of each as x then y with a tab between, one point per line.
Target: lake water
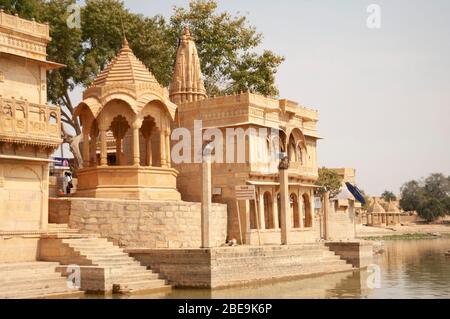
407	269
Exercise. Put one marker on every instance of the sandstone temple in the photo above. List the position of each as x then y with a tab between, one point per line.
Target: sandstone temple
140	219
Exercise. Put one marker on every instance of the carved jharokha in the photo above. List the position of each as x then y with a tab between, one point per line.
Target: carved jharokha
28	123
126	106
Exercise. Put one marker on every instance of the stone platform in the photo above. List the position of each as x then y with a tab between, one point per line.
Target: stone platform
234	266
137	224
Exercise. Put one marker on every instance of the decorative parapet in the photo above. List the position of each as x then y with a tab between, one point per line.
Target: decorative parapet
23	37
249	107
22	122
30	27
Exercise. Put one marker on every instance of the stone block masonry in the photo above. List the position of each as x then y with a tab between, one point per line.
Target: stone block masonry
141	224
235	266
357	253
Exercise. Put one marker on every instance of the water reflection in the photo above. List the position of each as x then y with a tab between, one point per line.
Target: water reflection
409	269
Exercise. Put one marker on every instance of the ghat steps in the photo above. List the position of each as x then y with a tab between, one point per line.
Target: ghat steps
231	266
104	267
33	280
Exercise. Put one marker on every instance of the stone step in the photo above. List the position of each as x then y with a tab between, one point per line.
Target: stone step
119	267
27	265
113	262
145	285
88	242
100	249
42	292
30	284
128	277
6	279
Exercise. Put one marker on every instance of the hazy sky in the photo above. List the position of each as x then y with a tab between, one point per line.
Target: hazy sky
383	95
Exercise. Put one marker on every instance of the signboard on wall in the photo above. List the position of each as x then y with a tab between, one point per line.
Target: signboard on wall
245	192
61	162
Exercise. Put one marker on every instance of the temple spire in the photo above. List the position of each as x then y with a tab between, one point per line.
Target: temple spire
187	84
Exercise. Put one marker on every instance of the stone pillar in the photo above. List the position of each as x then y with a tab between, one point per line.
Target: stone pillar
285	218
148	157
206	201
136	154
85	147
44	197
118	151
261	211
301	212
326	206
162	148
103	148
275	212
168	159
311	209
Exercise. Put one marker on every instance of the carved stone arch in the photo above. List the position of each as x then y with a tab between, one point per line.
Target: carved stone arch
112	109
92	104
127	98
158	111
147	99
84	113
299	141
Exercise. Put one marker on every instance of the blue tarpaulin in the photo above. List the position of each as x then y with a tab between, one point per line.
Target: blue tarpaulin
356	193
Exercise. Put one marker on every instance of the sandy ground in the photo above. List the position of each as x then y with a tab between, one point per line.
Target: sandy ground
367	231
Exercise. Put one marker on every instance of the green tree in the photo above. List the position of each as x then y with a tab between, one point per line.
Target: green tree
329	181
388	196
26	8
226	46
430	198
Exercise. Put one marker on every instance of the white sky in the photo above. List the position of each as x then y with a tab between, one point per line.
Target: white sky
383	94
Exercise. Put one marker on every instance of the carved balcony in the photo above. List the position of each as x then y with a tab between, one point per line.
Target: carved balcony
27	123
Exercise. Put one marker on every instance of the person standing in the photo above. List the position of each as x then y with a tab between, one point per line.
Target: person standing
67	183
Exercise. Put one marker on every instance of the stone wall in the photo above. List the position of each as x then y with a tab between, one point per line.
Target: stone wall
359	254
59	210
132	223
23	196
19	248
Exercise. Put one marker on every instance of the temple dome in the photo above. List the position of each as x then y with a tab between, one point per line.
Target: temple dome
392	208
125	68
376	207
126	78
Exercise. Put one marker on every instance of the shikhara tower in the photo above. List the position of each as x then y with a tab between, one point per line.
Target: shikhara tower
187	83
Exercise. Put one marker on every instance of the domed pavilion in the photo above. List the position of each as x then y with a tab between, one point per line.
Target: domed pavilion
126	102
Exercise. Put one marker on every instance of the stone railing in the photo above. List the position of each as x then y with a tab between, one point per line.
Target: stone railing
22	25
28	123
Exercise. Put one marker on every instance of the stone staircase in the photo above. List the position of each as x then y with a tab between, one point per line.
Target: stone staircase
33	280
104	268
233	266
275	262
